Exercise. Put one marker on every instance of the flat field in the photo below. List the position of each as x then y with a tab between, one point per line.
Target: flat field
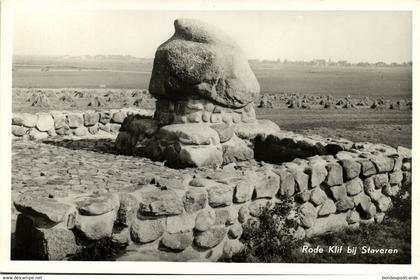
117	83
337	81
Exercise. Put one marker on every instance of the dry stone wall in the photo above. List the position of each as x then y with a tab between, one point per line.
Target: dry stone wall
201	111
197	218
71	123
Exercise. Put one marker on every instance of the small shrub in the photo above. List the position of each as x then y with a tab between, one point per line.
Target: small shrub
269	239
102	250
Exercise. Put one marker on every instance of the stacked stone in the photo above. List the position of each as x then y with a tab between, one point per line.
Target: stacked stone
205	91
192	144
197	218
201	111
64	123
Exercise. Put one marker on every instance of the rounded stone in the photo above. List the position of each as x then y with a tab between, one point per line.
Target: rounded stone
210	238
45	122
205	219
201	60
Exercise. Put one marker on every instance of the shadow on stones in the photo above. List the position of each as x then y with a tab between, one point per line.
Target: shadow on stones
93	145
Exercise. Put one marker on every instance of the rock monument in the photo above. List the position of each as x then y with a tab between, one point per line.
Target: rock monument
205	91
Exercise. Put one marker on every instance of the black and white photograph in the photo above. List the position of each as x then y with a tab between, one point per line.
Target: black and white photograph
210	136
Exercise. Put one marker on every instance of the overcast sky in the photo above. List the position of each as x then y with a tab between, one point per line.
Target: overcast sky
352	36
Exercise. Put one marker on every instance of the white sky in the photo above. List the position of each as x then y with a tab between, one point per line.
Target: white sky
352	36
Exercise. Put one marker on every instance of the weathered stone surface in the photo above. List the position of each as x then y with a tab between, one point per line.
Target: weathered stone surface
300	177
398	162
177	241
119	116
351	168
198	156
59	119
404	152
344	204
210	238
160	203
318	173
368	168
380	180
256	207
96	227
345	155
236	150
203	183
251	130
180	223
232	247
379	217
391	190
201	60
335	174
46	208
353	217
302	197
121	236
307	214
91	118
194	200
114	127
18	130
93	129
63	131
318	196
94	205
384	203
235	231
205	219
191	134
243	192
145	231
395	177
365	206
331	223
224	131
338	192
226	216
243	214
383	163
354	186
220	195
266	184
327	207
128	209
105	117
80	131
369	185
287	182
24	119
53	243
35	134
75	120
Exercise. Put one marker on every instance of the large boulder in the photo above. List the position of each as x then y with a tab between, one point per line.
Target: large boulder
200	60
190	134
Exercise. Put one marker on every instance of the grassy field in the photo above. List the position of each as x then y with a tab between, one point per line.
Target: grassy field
337	81
392	127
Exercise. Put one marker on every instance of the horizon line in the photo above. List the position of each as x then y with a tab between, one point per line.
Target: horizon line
281	60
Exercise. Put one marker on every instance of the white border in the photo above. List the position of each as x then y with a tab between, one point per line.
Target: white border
7	8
